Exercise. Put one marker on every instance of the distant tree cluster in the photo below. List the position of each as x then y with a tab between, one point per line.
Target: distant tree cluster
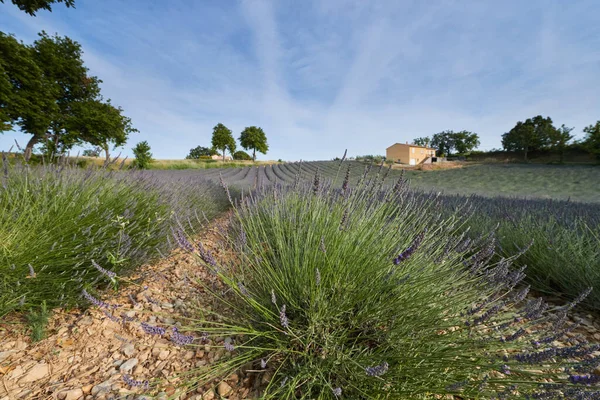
251	138
449	142
46	91
539	133
33	6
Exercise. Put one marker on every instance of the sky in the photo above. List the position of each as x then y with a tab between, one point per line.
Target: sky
322	76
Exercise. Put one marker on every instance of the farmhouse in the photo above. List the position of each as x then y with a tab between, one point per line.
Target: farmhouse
410	154
220	157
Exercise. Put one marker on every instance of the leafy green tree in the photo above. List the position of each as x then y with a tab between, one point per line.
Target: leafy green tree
241	155
254	138
591	142
51	96
199	151
559	140
533	134
95	152
422	141
443	142
465	141
33	6
143	156
222	139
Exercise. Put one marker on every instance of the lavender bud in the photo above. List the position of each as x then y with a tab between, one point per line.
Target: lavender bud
103	271
337	392
228	346
133	383
322	245
153	330
180	339
377	370
94	300
263	364
31	271
273	298
283	318
318	277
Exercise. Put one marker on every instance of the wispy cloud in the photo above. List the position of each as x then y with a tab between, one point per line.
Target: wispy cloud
322	76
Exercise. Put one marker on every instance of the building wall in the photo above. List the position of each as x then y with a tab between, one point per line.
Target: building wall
407	154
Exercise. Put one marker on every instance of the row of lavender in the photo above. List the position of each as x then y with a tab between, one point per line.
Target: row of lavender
61	227
367	291
563	237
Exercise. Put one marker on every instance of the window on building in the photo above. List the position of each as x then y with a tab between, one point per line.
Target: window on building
413	150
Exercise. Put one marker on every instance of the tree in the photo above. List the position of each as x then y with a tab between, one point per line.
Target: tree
52	97
99	124
533	134
254	138
222	139
443	142
143	156
559	140
422	141
32	6
199	151
465	141
241	155
95	152
591	142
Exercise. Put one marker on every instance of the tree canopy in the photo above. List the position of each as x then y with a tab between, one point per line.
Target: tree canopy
200	151
33	6
222	139
533	134
422	141
591	142
254	138
50	95
463	142
143	156
559	140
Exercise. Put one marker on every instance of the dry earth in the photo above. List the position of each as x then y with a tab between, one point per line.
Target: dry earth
87	354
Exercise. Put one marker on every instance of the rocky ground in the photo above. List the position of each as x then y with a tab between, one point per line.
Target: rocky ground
92	354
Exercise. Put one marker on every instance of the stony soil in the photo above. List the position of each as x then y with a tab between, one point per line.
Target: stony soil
86	354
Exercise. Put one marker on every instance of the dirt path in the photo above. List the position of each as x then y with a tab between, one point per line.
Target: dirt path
90	354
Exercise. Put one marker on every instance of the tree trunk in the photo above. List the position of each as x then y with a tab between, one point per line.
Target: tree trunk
106	153
526	149
562	156
224	154
254	155
29	148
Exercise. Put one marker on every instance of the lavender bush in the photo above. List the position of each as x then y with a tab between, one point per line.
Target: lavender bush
366	292
64	228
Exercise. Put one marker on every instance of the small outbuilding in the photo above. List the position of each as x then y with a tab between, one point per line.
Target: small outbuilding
410	154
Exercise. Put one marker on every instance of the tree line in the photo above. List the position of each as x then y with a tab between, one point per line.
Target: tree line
537	133
46	91
251	138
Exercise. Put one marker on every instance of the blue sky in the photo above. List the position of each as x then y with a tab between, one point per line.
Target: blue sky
320	76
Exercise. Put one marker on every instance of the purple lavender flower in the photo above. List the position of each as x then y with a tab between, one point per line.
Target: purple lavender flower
153	330
318	276
182	240
344	156
377	370
346	180
406	254
111	317
243	289
273	298
322	245
180	339
344	220
133	383
584	379
505	369
228	345
31	271
206	256
263	364
94	300
283	318
337	392
204	337
103	271
316	182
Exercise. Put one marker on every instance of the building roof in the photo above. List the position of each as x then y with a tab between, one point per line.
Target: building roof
411	145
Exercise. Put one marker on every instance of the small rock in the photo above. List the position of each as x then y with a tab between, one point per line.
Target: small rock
128	365
163	355
74	394
101	387
210	395
130	314
87	389
6	354
128	349
224	389
156	308
86	321
37	372
117	363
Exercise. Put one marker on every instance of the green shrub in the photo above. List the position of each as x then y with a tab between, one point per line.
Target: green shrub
363	293
143	156
241	155
58	223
